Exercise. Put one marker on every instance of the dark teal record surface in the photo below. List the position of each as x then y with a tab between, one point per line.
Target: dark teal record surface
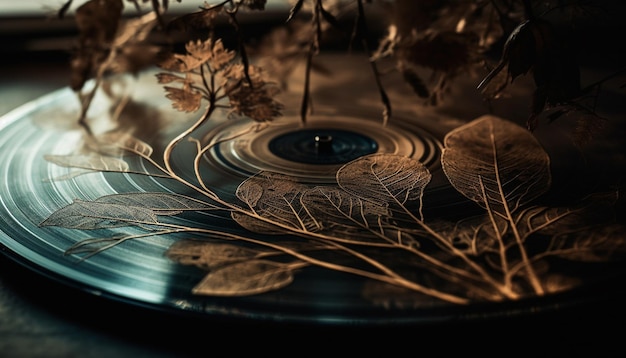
138	272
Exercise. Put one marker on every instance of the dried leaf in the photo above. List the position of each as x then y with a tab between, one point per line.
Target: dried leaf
245	278
118	210
275	197
198	53
90	215
253	98
165	78
474	235
131	50
160	203
496	163
601	244
71	175
220	56
344	215
172	62
384	179
93	246
209	255
593	211
185	99
518	54
256	224
91	161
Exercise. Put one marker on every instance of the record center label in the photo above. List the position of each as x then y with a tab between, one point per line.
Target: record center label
322	146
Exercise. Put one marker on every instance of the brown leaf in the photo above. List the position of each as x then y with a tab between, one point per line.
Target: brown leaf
345	215
172	62
592	212
245	278
254	99
220	56
91	215
600	244
165	78
496	163
208	255
275	197
160	203
257	225
518	55
198	52
185	99
385	179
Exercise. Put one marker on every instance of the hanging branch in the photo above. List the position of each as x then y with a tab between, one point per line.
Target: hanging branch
363	32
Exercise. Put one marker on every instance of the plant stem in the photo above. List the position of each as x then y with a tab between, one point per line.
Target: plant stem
532	276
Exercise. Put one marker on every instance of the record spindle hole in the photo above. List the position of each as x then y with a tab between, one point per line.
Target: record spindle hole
322	146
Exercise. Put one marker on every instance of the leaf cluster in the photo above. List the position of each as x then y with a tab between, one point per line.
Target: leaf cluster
207	71
370	224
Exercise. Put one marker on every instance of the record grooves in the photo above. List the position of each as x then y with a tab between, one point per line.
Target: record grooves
138	271
289	148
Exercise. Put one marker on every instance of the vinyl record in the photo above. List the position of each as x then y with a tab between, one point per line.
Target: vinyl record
138	272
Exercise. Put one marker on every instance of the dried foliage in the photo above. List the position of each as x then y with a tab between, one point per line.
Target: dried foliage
209	71
373	216
371	222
